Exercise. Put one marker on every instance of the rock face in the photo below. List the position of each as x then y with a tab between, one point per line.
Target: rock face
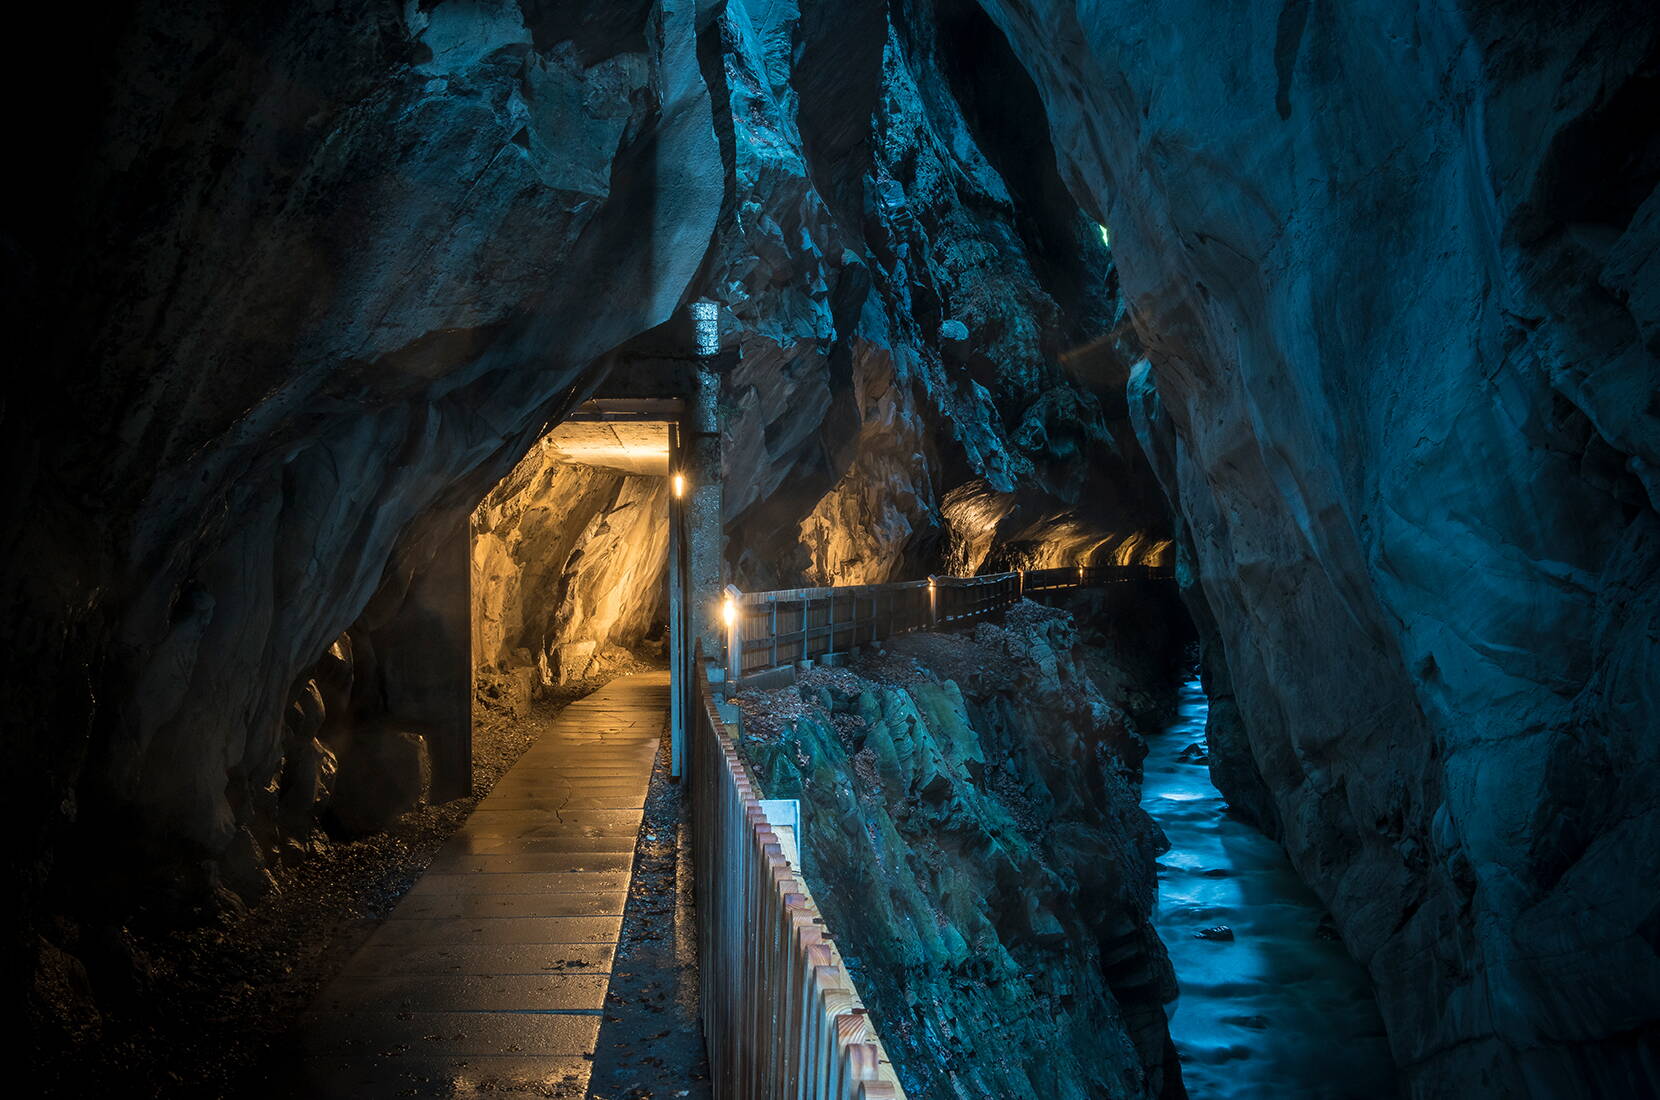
321	279
385	772
568	563
324	277
973	833
925	319
1394	269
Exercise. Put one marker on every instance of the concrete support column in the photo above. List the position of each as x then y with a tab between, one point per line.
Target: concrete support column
704	518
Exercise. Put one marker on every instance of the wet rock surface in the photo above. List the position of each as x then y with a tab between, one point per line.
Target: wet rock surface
1401	388
972	833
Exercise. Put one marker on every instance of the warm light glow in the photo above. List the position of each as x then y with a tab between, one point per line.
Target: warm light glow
729	611
679	485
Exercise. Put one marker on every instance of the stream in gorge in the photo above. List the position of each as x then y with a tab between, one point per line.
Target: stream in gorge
1269	1005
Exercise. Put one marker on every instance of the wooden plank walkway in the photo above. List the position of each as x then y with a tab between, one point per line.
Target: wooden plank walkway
489	978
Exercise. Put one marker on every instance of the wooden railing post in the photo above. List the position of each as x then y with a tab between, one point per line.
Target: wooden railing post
781	1015
733	614
774	631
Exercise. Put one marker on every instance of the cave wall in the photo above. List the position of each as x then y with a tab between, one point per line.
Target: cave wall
316	278
1392	265
569	563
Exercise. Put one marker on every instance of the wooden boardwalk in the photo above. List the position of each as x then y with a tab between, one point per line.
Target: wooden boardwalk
490	976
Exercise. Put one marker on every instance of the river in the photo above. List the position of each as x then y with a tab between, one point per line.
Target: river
1279	1009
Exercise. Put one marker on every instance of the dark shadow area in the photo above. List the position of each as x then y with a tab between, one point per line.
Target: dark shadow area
651	1041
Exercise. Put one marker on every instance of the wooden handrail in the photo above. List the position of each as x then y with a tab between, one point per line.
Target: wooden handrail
780	628
781	1015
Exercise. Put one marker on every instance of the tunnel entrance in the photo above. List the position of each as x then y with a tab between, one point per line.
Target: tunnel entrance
569	551
572	555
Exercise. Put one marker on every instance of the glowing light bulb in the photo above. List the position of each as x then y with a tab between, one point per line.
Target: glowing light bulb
679	485
729	611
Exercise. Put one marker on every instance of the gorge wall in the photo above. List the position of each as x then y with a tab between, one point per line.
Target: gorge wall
930	372
311	281
1393	266
317	279
971	828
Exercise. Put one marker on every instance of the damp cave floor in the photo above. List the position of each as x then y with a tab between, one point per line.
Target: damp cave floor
549	950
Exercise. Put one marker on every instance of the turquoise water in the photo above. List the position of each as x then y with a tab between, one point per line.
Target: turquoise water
1279	1010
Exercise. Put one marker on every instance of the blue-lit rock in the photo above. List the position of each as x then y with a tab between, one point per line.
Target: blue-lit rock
970	828
920	307
1392	265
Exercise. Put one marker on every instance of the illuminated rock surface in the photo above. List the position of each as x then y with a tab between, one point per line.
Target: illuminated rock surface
568	566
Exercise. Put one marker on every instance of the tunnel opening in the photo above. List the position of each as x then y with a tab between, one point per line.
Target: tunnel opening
569	557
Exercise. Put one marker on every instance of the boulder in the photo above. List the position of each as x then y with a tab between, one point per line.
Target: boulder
307	786
243	867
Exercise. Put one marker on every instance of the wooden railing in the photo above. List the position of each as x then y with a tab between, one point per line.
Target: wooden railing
767	630
780	1013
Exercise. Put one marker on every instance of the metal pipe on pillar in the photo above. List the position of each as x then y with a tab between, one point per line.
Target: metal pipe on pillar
731	618
679	662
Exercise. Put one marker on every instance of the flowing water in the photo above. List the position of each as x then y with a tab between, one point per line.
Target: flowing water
1270	1006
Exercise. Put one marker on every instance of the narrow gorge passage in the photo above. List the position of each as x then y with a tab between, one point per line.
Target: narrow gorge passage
387	375
1270	1003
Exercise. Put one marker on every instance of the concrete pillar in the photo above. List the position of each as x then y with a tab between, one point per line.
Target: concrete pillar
704	519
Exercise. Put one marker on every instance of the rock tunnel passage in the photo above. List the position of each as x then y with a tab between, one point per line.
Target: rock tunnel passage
1371	342
491	975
